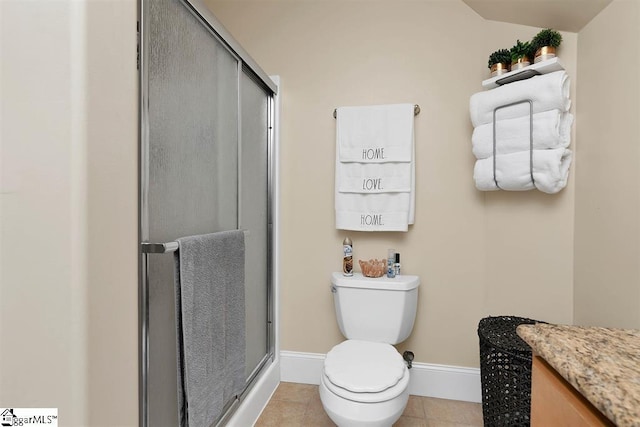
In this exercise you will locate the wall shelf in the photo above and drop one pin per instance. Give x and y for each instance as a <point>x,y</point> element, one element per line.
<point>543,67</point>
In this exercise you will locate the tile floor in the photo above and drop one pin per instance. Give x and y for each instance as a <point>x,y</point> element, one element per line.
<point>298,405</point>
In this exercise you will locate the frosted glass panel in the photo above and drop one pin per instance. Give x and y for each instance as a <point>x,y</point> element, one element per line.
<point>254,182</point>
<point>192,171</point>
<point>193,131</point>
<point>205,166</point>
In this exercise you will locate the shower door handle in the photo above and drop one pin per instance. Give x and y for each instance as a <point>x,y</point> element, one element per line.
<point>158,248</point>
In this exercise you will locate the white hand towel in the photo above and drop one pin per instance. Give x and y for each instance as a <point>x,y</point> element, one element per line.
<point>374,177</point>
<point>375,134</point>
<point>547,91</point>
<point>551,129</point>
<point>550,171</point>
<point>392,207</point>
<point>373,212</point>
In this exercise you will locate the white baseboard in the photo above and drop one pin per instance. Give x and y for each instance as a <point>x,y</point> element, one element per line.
<point>303,368</point>
<point>441,381</point>
<point>446,382</point>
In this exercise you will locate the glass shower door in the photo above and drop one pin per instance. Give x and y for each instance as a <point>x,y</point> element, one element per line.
<point>204,167</point>
<point>255,110</point>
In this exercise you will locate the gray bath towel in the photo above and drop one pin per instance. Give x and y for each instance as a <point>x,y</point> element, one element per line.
<point>210,318</point>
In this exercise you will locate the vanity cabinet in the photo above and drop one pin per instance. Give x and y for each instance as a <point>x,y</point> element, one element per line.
<point>583,375</point>
<point>555,402</point>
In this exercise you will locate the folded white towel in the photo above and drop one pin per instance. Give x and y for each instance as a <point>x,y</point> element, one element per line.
<point>375,134</point>
<point>373,212</point>
<point>375,168</point>
<point>551,129</point>
<point>374,177</point>
<point>550,171</point>
<point>382,211</point>
<point>547,91</point>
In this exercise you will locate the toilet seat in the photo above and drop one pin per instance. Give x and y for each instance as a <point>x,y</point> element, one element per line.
<point>364,371</point>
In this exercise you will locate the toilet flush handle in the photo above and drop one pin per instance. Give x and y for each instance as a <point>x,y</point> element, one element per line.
<point>333,289</point>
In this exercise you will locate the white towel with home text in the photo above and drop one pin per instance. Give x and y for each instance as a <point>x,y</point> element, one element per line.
<point>375,168</point>
<point>375,133</point>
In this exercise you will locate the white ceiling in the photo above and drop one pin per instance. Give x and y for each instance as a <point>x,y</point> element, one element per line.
<point>562,15</point>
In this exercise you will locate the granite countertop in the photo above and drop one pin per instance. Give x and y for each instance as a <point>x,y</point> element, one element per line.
<point>601,363</point>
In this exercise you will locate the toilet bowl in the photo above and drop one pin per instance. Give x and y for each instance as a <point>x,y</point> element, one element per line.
<point>364,384</point>
<point>365,381</point>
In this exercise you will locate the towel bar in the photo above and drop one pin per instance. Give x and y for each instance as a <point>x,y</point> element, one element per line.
<point>158,248</point>
<point>164,248</point>
<point>416,111</point>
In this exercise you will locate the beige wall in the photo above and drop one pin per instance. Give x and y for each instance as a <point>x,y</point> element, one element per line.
<point>477,253</point>
<point>607,221</point>
<point>43,273</point>
<point>68,210</point>
<point>112,212</point>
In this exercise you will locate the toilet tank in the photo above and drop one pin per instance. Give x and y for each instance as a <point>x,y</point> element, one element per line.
<point>375,309</point>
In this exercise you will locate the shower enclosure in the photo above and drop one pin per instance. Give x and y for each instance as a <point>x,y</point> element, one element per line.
<point>206,137</point>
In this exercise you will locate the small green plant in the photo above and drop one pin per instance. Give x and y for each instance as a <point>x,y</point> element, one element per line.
<point>500,56</point>
<point>546,37</point>
<point>520,50</point>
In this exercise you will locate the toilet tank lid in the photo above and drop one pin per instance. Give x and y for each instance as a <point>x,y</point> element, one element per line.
<point>398,283</point>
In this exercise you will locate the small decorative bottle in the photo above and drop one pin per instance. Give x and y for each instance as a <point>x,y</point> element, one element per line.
<point>396,265</point>
<point>347,257</point>
<point>391,259</point>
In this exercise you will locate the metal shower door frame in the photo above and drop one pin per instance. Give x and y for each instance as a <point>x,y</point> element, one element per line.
<point>245,63</point>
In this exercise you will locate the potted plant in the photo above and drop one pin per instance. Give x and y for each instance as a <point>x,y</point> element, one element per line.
<point>545,44</point>
<point>499,62</point>
<point>520,55</point>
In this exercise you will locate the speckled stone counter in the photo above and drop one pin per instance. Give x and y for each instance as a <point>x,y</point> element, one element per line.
<point>601,363</point>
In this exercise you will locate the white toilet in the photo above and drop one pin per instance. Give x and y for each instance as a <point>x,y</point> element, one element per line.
<point>365,380</point>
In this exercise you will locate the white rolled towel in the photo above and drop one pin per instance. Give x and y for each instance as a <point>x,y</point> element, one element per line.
<point>550,171</point>
<point>547,92</point>
<point>551,129</point>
